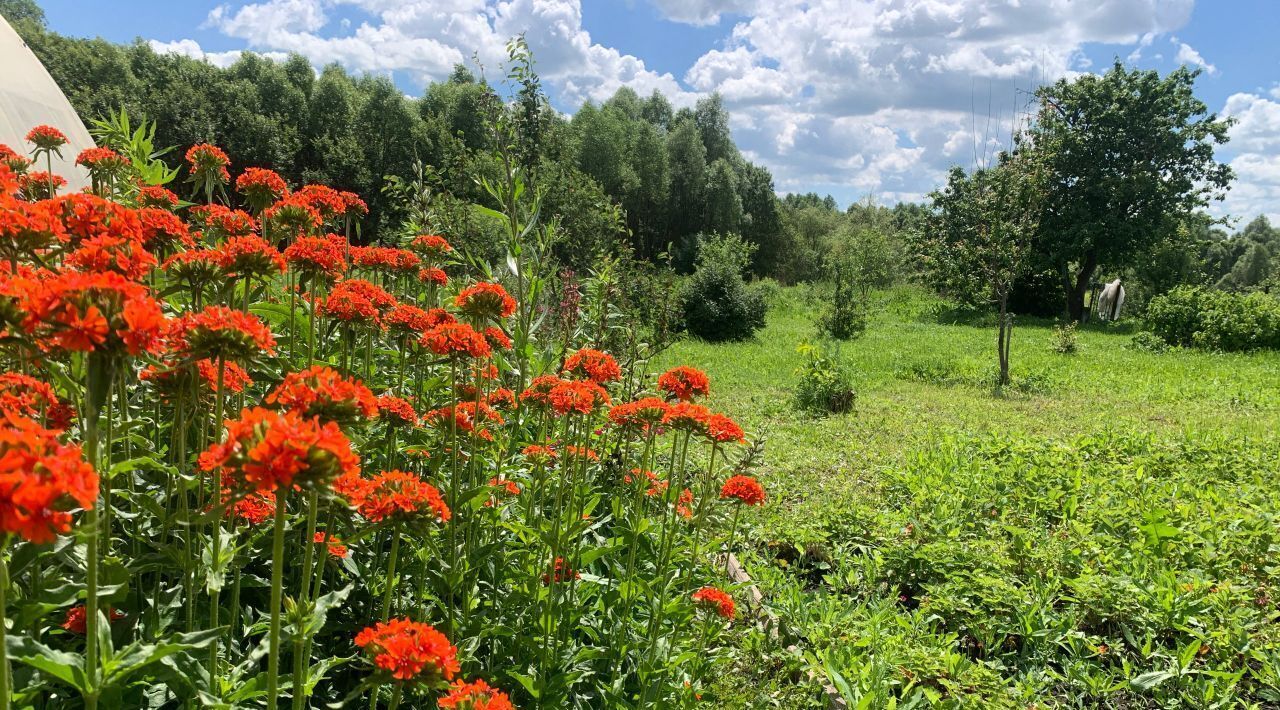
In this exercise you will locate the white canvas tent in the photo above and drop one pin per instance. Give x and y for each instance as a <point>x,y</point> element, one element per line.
<point>30,97</point>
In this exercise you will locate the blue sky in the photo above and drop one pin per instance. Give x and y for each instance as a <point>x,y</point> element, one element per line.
<point>855,98</point>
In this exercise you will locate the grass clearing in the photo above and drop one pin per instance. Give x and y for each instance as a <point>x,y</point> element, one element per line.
<point>1066,543</point>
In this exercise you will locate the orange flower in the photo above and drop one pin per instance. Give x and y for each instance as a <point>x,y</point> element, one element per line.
<point>266,450</point>
<point>208,162</point>
<point>401,495</point>
<point>476,695</point>
<point>430,246</point>
<point>157,196</point>
<point>46,138</point>
<point>316,257</point>
<point>397,411</point>
<point>261,187</point>
<point>41,480</point>
<point>466,418</point>
<point>77,618</point>
<point>250,256</point>
<point>93,311</point>
<point>687,417</point>
<point>722,429</point>
<point>597,366</point>
<point>334,543</point>
<point>743,488</point>
<point>577,397</point>
<point>320,391</point>
<point>684,383</point>
<point>222,221</point>
<point>504,486</point>
<point>386,259</point>
<point>560,571</point>
<point>104,253</point>
<point>410,650</point>
<point>539,455</point>
<point>433,275</point>
<point>486,301</point>
<point>455,340</point>
<point>641,413</point>
<point>218,331</point>
<point>716,600</point>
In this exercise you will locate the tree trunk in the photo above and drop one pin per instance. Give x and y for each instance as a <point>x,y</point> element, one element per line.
<point>1079,286</point>
<point>1002,340</point>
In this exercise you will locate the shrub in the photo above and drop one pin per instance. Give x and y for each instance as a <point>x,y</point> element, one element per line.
<point>1216,320</point>
<point>1149,342</point>
<point>1064,339</point>
<point>826,384</point>
<point>716,303</point>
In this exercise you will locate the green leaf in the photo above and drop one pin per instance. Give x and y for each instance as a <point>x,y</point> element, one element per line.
<point>62,665</point>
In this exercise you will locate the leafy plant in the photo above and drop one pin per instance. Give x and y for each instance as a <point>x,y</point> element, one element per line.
<point>716,302</point>
<point>1065,341</point>
<point>826,385</point>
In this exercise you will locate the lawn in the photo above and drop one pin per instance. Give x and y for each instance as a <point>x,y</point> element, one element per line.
<point>1100,534</point>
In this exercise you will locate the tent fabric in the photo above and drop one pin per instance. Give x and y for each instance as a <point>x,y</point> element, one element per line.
<point>30,97</point>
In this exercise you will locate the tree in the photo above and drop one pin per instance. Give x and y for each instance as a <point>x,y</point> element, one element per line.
<point>722,211</point>
<point>1252,269</point>
<point>713,126</point>
<point>762,219</point>
<point>687,162</point>
<point>978,241</point>
<point>1129,155</point>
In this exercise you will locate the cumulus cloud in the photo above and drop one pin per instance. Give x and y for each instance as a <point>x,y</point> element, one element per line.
<point>191,48</point>
<point>1188,55</point>
<point>1254,154</point>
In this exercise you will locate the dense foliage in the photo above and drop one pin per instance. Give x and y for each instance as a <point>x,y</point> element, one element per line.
<point>716,303</point>
<point>1218,320</point>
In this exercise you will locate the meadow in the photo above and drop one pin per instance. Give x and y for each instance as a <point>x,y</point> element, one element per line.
<point>1100,533</point>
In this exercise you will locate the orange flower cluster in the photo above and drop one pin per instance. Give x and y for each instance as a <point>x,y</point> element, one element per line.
<point>316,256</point>
<point>323,392</point>
<point>385,258</point>
<point>455,340</point>
<point>358,301</point>
<point>41,480</point>
<point>126,257</point>
<point>223,221</point>
<point>476,695</point>
<point>333,543</point>
<point>326,201</point>
<point>642,413</point>
<point>684,383</point>
<point>250,256</point>
<point>743,488</point>
<point>46,137</point>
<point>397,411</point>
<point>157,196</point>
<point>399,495</point>
<point>715,600</point>
<point>466,417</point>
<point>433,275</point>
<point>162,228</point>
<point>209,160</point>
<point>101,311</point>
<point>26,396</point>
<point>560,572</point>
<point>597,366</point>
<point>218,331</point>
<point>410,650</point>
<point>431,246</point>
<point>261,186</point>
<point>101,160</point>
<point>577,397</point>
<point>266,450</point>
<point>77,618</point>
<point>486,301</point>
<point>293,216</point>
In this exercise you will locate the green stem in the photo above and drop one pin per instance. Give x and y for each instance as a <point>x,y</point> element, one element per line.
<point>4,609</point>
<point>277,582</point>
<point>391,573</point>
<point>300,665</point>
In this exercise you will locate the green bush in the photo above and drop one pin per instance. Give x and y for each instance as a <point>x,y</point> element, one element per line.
<point>1064,339</point>
<point>1149,342</point>
<point>826,384</point>
<point>1216,320</point>
<point>716,303</point>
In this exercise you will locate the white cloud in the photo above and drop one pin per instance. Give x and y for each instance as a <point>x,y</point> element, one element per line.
<point>1188,55</point>
<point>191,48</point>
<point>702,12</point>
<point>1254,154</point>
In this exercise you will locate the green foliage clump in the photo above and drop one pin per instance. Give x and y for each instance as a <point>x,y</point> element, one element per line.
<point>1216,320</point>
<point>1064,339</point>
<point>826,383</point>
<point>1148,342</point>
<point>716,302</point>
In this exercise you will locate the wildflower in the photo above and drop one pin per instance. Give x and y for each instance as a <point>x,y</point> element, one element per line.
<point>320,391</point>
<point>396,411</point>
<point>573,397</point>
<point>433,248</point>
<point>249,256</point>
<point>484,301</point>
<point>722,429</point>
<point>326,201</point>
<point>538,393</point>
<point>502,398</point>
<point>715,600</point>
<point>687,417</point>
<point>476,695</point>
<point>316,257</point>
<point>502,486</point>
<point>222,221</point>
<point>560,571</point>
<point>410,650</point>
<point>101,311</point>
<point>46,138</point>
<point>292,216</point>
<point>25,395</point>
<point>743,488</point>
<point>641,413</point>
<point>261,187</point>
<point>465,417</point>
<point>374,294</point>
<point>254,508</point>
<point>597,366</point>
<point>195,267</point>
<point>77,618</point>
<point>41,480</point>
<point>333,543</point>
<point>497,338</point>
<point>407,319</point>
<point>267,450</point>
<point>433,275</point>
<point>455,340</point>
<point>102,163</point>
<point>40,184</point>
<point>157,196</point>
<point>656,487</point>
<point>218,331</point>
<point>684,383</point>
<point>208,166</point>
<point>403,496</point>
<point>588,453</point>
<point>234,377</point>
<point>162,228</point>
<point>385,259</point>
<point>104,253</point>
<point>539,455</point>
<point>353,206</point>
<point>85,216</point>
<point>684,504</point>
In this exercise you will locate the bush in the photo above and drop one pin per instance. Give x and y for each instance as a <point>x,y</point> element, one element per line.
<point>1149,342</point>
<point>1216,320</point>
<point>1064,339</point>
<point>716,303</point>
<point>826,384</point>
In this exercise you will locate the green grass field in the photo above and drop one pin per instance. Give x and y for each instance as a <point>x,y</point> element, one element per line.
<point>1101,535</point>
